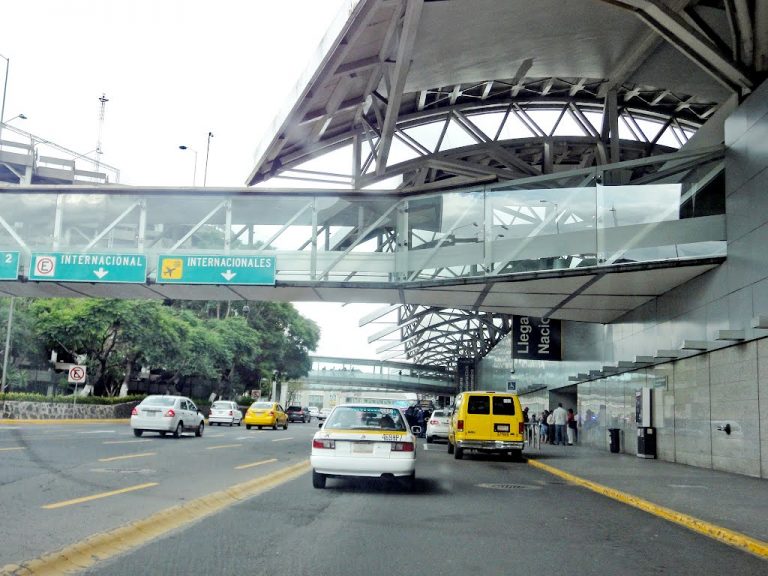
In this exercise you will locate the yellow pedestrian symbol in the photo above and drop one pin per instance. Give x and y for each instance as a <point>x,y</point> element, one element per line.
<point>172,269</point>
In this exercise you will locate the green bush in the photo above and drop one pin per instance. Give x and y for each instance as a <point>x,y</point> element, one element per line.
<point>102,400</point>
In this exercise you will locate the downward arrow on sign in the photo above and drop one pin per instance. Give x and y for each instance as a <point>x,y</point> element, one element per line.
<point>100,273</point>
<point>228,275</point>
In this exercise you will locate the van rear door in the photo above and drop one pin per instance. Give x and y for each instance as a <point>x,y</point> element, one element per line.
<point>506,418</point>
<point>478,422</point>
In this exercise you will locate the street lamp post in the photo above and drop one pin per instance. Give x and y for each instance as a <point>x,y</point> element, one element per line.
<point>7,346</point>
<point>5,89</point>
<point>194,174</point>
<point>207,151</point>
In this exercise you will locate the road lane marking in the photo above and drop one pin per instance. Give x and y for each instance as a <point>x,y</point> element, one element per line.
<point>125,441</point>
<point>98,496</point>
<point>105,545</point>
<point>14,448</point>
<point>98,432</point>
<point>259,463</point>
<point>223,446</point>
<point>215,435</point>
<point>127,456</point>
<point>282,439</point>
<point>725,535</point>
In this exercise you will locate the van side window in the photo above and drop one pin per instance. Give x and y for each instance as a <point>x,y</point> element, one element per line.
<point>503,406</point>
<point>478,405</point>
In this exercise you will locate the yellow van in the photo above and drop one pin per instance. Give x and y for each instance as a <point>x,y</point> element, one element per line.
<point>487,422</point>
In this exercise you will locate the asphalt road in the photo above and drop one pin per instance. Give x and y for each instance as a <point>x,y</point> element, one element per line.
<point>479,515</point>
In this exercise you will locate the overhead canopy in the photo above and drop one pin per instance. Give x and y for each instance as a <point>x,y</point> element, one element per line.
<point>399,64</point>
<point>439,94</point>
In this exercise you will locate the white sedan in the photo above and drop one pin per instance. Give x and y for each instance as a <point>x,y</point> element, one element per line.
<point>225,412</point>
<point>437,425</point>
<point>364,440</point>
<point>164,414</point>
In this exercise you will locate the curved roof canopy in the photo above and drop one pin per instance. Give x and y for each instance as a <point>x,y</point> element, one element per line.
<point>613,70</point>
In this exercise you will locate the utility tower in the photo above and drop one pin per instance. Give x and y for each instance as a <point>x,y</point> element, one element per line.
<point>103,106</point>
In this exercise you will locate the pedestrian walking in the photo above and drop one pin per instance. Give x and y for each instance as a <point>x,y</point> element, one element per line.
<point>544,427</point>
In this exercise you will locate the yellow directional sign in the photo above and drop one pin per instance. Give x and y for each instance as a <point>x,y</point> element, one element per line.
<point>172,269</point>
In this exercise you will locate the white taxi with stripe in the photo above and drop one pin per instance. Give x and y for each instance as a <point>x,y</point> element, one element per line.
<point>364,440</point>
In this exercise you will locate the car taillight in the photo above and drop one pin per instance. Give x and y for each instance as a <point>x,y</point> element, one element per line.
<point>460,425</point>
<point>521,427</point>
<point>170,413</point>
<point>271,412</point>
<point>135,411</point>
<point>434,422</point>
<point>401,447</point>
<point>231,413</point>
<point>326,444</point>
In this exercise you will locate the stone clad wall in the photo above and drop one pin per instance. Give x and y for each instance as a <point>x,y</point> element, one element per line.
<point>18,410</point>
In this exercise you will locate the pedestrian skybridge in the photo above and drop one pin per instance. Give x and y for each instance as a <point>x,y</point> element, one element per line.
<point>586,245</point>
<point>345,374</point>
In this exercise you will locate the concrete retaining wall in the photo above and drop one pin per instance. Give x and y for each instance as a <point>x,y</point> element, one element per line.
<point>18,410</point>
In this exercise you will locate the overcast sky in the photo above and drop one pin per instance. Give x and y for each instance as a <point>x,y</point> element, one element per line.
<point>172,70</point>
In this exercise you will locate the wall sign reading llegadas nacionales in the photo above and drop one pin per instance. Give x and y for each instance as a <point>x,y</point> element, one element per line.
<point>536,338</point>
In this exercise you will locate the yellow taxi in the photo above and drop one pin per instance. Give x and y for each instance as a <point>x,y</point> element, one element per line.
<point>262,414</point>
<point>486,422</point>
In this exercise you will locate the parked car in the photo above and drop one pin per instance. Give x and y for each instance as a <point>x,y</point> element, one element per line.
<point>298,414</point>
<point>262,414</point>
<point>486,422</point>
<point>364,440</point>
<point>324,413</point>
<point>164,414</point>
<point>437,425</point>
<point>225,412</point>
<point>314,411</point>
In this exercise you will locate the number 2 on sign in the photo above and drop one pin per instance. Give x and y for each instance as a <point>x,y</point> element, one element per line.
<point>8,258</point>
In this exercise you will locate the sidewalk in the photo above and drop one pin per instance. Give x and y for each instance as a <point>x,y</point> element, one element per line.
<point>732,501</point>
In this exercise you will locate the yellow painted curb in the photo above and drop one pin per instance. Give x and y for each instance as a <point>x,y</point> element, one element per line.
<point>9,421</point>
<point>134,534</point>
<point>730,537</point>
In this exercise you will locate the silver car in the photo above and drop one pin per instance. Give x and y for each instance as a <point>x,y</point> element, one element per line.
<point>164,414</point>
<point>225,412</point>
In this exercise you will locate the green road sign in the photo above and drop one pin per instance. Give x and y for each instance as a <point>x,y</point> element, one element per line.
<point>90,267</point>
<point>216,269</point>
<point>9,265</point>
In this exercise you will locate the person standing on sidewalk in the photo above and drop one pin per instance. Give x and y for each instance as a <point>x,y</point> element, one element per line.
<point>560,417</point>
<point>571,425</point>
<point>533,432</point>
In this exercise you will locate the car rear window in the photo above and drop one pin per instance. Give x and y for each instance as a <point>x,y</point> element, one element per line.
<point>158,401</point>
<point>221,405</point>
<point>261,405</point>
<point>439,413</point>
<point>478,405</point>
<point>503,406</point>
<point>366,418</point>
<point>293,408</point>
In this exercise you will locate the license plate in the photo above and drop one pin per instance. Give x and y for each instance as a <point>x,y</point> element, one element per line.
<point>362,447</point>
<point>501,427</point>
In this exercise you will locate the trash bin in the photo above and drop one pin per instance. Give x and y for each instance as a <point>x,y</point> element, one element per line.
<point>614,439</point>
<point>646,442</point>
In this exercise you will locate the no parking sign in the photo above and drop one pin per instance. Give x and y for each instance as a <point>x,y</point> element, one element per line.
<point>76,375</point>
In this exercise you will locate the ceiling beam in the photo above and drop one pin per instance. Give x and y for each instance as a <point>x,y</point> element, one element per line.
<point>690,41</point>
<point>397,79</point>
